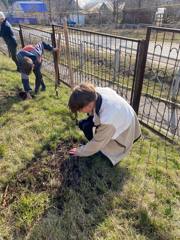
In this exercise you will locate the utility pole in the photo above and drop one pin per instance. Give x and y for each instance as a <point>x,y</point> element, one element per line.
<point>139,4</point>
<point>50,11</point>
<point>114,10</point>
<point>77,10</point>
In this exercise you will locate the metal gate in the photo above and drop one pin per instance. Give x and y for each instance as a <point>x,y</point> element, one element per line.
<point>160,100</point>
<point>102,59</point>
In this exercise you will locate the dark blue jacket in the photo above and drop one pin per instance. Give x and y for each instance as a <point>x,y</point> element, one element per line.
<point>34,53</point>
<point>7,34</point>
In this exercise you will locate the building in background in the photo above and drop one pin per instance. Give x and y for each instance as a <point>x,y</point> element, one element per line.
<point>160,16</point>
<point>60,10</point>
<point>103,12</point>
<point>29,12</point>
<point>149,3</point>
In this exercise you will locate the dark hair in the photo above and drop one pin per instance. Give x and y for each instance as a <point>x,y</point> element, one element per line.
<point>27,65</point>
<point>81,96</point>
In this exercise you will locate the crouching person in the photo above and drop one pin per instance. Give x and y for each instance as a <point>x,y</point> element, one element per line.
<point>30,59</point>
<point>112,126</point>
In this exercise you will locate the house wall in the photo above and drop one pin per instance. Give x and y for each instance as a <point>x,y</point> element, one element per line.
<point>136,16</point>
<point>81,18</point>
<point>173,12</point>
<point>148,3</point>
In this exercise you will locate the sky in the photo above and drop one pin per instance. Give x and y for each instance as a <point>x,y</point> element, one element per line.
<point>84,2</point>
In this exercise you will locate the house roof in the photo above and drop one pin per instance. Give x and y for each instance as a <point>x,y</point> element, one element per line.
<point>32,6</point>
<point>94,7</point>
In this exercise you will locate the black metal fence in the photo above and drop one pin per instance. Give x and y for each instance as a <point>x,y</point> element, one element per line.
<point>102,59</point>
<point>160,99</point>
<point>147,77</point>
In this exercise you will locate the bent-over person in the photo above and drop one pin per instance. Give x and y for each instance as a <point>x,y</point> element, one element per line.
<point>30,59</point>
<point>112,126</point>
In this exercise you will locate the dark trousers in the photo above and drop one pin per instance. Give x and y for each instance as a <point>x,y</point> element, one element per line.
<point>26,85</point>
<point>86,125</point>
<point>13,52</point>
<point>38,78</point>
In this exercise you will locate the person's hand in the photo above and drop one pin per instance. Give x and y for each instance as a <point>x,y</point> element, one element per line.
<point>55,49</point>
<point>73,152</point>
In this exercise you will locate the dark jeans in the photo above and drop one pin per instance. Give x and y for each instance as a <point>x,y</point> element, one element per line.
<point>86,125</point>
<point>13,52</point>
<point>26,85</point>
<point>39,79</point>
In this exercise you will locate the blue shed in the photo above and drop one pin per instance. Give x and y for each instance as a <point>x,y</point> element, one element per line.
<point>32,12</point>
<point>30,6</point>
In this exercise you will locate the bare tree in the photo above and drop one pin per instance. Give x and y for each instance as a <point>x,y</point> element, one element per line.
<point>77,10</point>
<point>50,10</point>
<point>116,4</point>
<point>58,9</point>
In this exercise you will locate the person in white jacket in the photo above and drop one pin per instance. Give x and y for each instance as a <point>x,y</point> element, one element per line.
<point>112,126</point>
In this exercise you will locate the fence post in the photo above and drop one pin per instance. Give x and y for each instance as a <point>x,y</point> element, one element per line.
<point>116,63</point>
<point>21,36</point>
<point>139,71</point>
<point>55,57</point>
<point>174,93</point>
<point>68,52</point>
<point>81,52</point>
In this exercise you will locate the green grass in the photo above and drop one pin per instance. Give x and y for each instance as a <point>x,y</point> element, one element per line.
<point>136,33</point>
<point>31,122</point>
<point>45,194</point>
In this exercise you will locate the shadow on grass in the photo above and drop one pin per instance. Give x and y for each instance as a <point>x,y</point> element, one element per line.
<point>8,69</point>
<point>83,192</point>
<point>86,183</point>
<point>7,101</point>
<point>87,195</point>
<point>141,222</point>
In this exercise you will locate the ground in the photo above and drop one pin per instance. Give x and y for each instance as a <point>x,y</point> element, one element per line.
<point>46,194</point>
<point>139,33</point>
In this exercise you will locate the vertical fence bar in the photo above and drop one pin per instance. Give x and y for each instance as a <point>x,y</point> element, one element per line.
<point>81,55</point>
<point>68,55</point>
<point>21,36</point>
<point>174,93</point>
<point>116,64</point>
<point>57,80</point>
<point>55,59</point>
<point>140,70</point>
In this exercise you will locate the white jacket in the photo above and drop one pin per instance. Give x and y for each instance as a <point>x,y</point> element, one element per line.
<point>117,129</point>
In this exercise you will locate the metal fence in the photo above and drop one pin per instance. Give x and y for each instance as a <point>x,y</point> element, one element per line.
<point>160,99</point>
<point>145,72</point>
<point>104,60</point>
